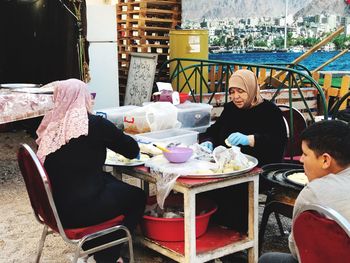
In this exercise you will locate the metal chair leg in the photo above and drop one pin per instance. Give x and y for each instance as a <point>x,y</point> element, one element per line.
<point>264,220</point>
<point>76,255</point>
<point>279,223</point>
<point>41,244</point>
<point>131,249</point>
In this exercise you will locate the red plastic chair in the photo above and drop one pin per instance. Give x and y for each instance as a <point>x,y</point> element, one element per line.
<point>322,235</point>
<point>293,150</point>
<point>42,202</point>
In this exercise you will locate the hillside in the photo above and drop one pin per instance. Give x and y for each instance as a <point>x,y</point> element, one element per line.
<point>257,8</point>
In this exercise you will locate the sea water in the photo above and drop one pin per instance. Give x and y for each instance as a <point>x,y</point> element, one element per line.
<point>312,62</point>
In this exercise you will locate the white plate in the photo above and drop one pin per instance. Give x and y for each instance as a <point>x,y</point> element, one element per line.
<point>117,163</point>
<point>18,85</point>
<point>114,159</point>
<point>221,175</point>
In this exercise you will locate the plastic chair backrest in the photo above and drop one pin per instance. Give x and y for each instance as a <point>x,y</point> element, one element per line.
<point>38,186</point>
<point>293,147</point>
<point>343,114</point>
<point>322,235</point>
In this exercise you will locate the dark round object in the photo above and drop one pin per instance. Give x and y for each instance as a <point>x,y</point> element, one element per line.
<point>289,172</point>
<point>273,175</point>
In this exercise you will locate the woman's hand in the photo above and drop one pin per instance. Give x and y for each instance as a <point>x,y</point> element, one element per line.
<point>138,157</point>
<point>238,138</point>
<point>208,145</point>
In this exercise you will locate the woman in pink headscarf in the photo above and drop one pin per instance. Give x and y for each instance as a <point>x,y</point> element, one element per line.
<point>257,127</point>
<point>72,146</point>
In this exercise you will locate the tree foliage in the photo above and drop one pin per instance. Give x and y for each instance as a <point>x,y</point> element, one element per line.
<point>278,42</point>
<point>341,42</point>
<point>260,43</point>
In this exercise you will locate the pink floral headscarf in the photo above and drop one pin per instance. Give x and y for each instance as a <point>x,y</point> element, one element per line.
<point>68,119</point>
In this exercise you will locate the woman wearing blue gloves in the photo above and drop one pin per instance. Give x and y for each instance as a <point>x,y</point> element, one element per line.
<point>257,127</point>
<point>248,121</point>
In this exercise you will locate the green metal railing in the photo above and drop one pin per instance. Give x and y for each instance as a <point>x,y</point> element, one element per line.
<point>193,78</point>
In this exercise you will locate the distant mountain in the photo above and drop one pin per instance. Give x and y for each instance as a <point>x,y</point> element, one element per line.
<point>336,7</point>
<point>196,10</point>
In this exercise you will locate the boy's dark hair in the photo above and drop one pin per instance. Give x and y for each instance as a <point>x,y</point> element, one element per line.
<point>332,137</point>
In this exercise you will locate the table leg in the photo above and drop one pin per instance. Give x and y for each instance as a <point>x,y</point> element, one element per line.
<point>190,231</point>
<point>117,174</point>
<point>253,219</point>
<point>145,187</point>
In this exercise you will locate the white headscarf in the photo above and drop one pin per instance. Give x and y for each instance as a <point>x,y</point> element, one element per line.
<point>247,81</point>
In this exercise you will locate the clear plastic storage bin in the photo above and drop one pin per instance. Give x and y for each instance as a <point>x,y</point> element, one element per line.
<point>194,114</point>
<point>182,136</point>
<point>200,129</point>
<point>116,114</point>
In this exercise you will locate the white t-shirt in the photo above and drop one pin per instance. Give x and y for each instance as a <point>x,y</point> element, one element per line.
<point>332,191</point>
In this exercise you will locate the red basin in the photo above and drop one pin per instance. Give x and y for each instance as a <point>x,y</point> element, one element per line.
<point>172,229</point>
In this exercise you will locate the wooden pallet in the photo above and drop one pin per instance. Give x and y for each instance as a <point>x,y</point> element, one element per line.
<point>143,26</point>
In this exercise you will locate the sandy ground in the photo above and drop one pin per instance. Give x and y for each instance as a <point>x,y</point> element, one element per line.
<point>20,232</point>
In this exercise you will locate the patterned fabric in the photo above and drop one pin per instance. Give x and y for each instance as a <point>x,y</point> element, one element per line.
<point>68,119</point>
<point>15,106</point>
<point>247,81</point>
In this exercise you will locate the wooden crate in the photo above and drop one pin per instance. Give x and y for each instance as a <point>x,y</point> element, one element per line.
<point>143,26</point>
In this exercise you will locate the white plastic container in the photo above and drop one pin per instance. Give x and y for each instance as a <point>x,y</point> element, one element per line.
<point>194,114</point>
<point>182,136</point>
<point>116,114</point>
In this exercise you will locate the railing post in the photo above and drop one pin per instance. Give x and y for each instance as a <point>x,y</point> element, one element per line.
<point>291,128</point>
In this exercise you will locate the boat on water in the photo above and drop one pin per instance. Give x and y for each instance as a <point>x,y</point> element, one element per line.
<point>279,50</point>
<point>297,49</point>
<point>220,50</point>
<point>258,49</point>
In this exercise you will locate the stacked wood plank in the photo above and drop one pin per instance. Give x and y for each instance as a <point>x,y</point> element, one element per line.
<point>143,26</point>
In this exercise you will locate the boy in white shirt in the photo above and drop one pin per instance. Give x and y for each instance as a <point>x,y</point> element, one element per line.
<point>326,160</point>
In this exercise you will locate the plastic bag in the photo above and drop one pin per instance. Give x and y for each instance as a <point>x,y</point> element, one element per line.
<point>222,156</point>
<point>226,160</point>
<point>161,116</point>
<point>230,159</point>
<point>167,173</point>
<point>151,117</point>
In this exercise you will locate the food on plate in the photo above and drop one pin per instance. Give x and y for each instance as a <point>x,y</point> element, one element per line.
<point>149,148</point>
<point>299,178</point>
<point>113,157</point>
<point>228,143</point>
<point>234,165</point>
<point>123,159</point>
<point>204,171</point>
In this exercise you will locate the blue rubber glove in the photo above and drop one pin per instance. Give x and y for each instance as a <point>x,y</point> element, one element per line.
<point>238,138</point>
<point>208,145</point>
<point>138,156</point>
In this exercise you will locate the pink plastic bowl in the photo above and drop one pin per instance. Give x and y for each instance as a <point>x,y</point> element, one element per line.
<point>178,154</point>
